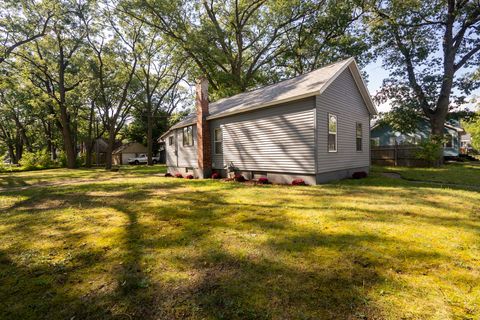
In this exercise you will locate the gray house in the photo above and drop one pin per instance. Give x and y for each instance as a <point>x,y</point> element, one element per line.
<point>383,134</point>
<point>315,127</point>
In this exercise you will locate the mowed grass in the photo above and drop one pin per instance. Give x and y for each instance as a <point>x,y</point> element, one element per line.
<point>147,247</point>
<point>49,176</point>
<point>466,173</point>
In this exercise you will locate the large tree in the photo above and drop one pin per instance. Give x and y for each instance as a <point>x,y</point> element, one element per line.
<point>53,65</point>
<point>114,42</point>
<point>21,22</point>
<point>159,77</point>
<point>429,48</point>
<point>241,44</point>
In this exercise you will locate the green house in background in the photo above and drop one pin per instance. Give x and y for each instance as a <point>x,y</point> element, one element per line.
<point>384,135</point>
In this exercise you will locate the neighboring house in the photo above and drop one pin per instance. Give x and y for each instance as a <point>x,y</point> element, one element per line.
<point>465,143</point>
<point>315,127</point>
<point>384,135</point>
<point>99,151</point>
<point>126,151</point>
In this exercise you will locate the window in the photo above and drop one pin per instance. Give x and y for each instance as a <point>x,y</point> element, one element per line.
<point>188,136</point>
<point>375,141</point>
<point>392,141</point>
<point>359,135</point>
<point>332,133</point>
<point>448,141</point>
<point>170,140</point>
<point>218,141</point>
<point>413,139</point>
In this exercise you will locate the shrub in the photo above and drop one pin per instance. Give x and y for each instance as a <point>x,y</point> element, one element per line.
<point>168,174</point>
<point>298,182</point>
<point>62,159</point>
<point>263,180</point>
<point>43,159</point>
<point>178,175</point>
<point>239,178</point>
<point>359,175</point>
<point>216,175</point>
<point>189,177</point>
<point>28,161</point>
<point>36,160</point>
<point>430,151</point>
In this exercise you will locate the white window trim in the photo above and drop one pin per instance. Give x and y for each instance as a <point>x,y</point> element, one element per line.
<point>183,137</point>
<point>215,141</point>
<point>361,136</point>
<point>336,133</point>
<point>452,141</point>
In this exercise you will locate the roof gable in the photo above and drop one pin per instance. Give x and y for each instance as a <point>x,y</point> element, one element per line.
<point>309,84</point>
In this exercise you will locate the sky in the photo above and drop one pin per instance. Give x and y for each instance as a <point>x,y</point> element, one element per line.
<point>376,74</point>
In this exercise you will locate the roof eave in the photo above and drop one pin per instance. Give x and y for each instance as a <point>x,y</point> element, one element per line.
<point>264,105</point>
<point>176,127</point>
<point>362,87</point>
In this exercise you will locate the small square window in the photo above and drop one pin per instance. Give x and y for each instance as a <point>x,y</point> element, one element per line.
<point>170,140</point>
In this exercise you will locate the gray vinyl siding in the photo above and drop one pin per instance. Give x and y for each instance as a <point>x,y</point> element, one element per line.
<point>342,99</point>
<point>171,159</point>
<point>187,155</point>
<point>275,139</point>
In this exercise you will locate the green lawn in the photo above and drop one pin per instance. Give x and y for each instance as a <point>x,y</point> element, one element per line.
<point>467,174</point>
<point>134,245</point>
<point>27,178</point>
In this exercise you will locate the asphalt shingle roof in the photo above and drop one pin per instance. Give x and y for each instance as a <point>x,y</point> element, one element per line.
<point>304,85</point>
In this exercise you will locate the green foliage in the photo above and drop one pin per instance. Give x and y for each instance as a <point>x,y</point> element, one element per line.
<point>404,120</point>
<point>240,45</point>
<point>429,47</point>
<point>473,128</point>
<point>430,151</point>
<point>36,160</point>
<point>62,159</point>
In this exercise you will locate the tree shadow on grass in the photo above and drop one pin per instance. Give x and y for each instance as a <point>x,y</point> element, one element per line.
<point>295,273</point>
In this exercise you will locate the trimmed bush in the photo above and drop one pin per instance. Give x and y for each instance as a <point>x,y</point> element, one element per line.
<point>298,182</point>
<point>189,177</point>
<point>359,175</point>
<point>263,180</point>
<point>178,175</point>
<point>168,175</point>
<point>216,175</point>
<point>239,178</point>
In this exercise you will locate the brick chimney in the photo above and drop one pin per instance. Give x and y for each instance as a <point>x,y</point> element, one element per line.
<point>204,145</point>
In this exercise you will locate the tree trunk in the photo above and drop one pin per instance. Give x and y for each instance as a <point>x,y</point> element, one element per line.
<point>68,141</point>
<point>437,123</point>
<point>108,156</point>
<point>68,146</point>
<point>11,154</point>
<point>149,139</point>
<point>88,154</point>
<point>90,143</point>
<point>18,149</point>
<point>54,152</point>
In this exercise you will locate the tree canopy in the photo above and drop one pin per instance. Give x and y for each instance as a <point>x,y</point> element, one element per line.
<point>74,71</point>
